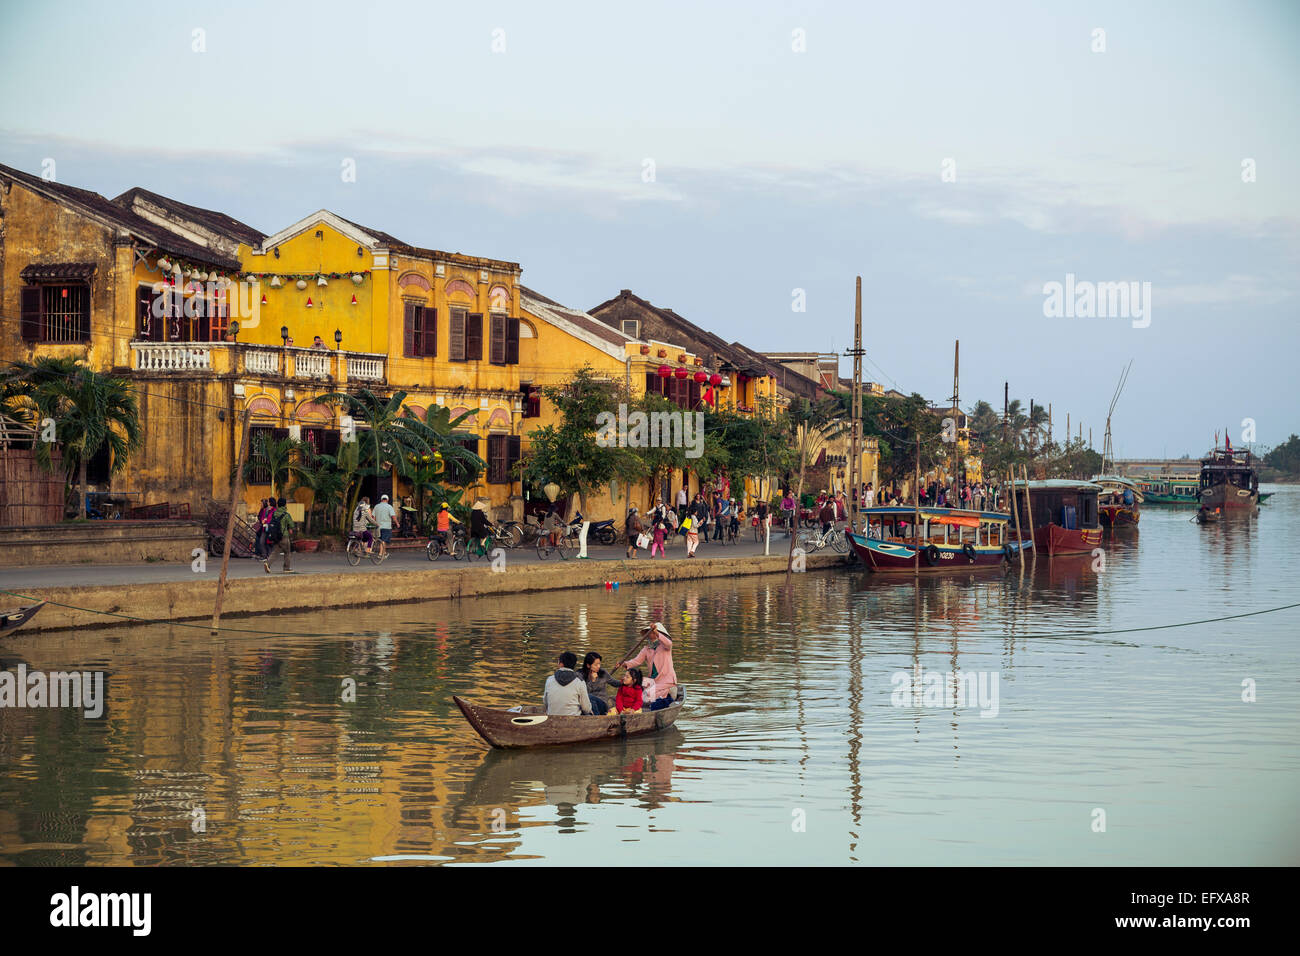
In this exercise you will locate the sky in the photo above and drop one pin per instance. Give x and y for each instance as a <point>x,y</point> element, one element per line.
<point>732,160</point>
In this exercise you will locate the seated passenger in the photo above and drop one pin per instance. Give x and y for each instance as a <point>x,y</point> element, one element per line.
<point>564,695</point>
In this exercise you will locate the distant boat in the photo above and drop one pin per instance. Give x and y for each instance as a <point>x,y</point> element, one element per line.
<point>951,539</point>
<point>1171,490</point>
<point>1065,515</point>
<point>1229,480</point>
<point>1120,501</point>
<point>12,620</point>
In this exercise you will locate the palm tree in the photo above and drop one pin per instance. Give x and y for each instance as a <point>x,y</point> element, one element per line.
<point>90,411</point>
<point>275,456</point>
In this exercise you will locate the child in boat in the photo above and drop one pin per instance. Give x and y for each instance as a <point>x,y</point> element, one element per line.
<point>630,695</point>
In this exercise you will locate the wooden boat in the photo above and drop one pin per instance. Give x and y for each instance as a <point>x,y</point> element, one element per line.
<point>1064,515</point>
<point>1120,502</point>
<point>527,726</point>
<point>951,539</point>
<point>1229,480</point>
<point>1171,490</point>
<point>12,620</point>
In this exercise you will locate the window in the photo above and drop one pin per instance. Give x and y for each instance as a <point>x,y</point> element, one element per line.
<point>466,337</point>
<point>320,441</point>
<point>532,401</point>
<point>261,470</point>
<point>456,475</point>
<point>498,347</point>
<point>632,328</point>
<point>58,312</point>
<point>503,453</point>
<point>420,333</point>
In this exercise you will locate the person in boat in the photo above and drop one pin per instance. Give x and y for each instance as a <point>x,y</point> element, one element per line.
<point>597,680</point>
<point>629,695</point>
<point>564,694</point>
<point>658,655</point>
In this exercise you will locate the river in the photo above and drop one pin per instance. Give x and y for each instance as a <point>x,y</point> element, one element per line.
<point>802,741</point>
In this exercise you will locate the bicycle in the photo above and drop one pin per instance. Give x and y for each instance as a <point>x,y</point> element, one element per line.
<point>483,547</point>
<point>813,540</point>
<point>356,550</point>
<point>565,541</point>
<point>437,546</point>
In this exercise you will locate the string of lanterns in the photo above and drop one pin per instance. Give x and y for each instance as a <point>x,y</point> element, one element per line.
<point>667,371</point>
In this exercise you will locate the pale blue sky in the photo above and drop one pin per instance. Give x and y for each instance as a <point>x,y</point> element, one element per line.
<point>775,170</point>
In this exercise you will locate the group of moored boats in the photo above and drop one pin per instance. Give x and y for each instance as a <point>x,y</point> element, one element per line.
<point>1050,517</point>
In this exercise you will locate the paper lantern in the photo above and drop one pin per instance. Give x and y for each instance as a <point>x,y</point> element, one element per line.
<point>715,379</point>
<point>664,371</point>
<point>321,281</point>
<point>275,282</point>
<point>681,373</point>
<point>551,490</point>
<point>165,264</point>
<point>356,279</point>
<point>701,377</point>
<point>301,283</point>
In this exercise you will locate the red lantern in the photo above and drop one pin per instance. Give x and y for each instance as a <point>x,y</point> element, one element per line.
<point>701,377</point>
<point>715,379</point>
<point>681,373</point>
<point>664,371</point>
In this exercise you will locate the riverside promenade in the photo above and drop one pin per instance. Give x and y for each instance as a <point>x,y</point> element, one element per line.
<point>108,595</point>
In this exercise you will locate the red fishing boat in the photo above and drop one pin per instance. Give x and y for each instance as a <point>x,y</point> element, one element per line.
<point>1063,513</point>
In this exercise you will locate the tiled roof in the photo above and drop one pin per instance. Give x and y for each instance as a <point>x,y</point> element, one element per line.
<point>218,222</point>
<point>123,219</point>
<point>535,302</point>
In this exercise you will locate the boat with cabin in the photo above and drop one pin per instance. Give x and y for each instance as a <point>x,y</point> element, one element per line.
<point>1229,480</point>
<point>1063,513</point>
<point>1120,501</point>
<point>1171,489</point>
<point>950,539</point>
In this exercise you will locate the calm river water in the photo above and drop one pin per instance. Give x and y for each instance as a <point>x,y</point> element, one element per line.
<point>798,745</point>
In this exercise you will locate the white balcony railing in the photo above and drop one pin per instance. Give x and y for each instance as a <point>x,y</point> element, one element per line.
<point>366,369</point>
<point>311,363</point>
<point>173,356</point>
<point>262,361</point>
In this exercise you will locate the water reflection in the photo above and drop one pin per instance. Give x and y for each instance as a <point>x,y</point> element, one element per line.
<point>249,749</point>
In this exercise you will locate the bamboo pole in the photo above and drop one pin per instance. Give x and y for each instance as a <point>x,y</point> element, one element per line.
<point>236,488</point>
<point>1029,511</point>
<point>916,520</point>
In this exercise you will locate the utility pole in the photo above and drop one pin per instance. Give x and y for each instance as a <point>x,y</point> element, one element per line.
<point>956,410</point>
<point>1006,404</point>
<point>855,441</point>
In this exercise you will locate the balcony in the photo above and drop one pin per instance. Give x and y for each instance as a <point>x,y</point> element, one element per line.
<point>232,358</point>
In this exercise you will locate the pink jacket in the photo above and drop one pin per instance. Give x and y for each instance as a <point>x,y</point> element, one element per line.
<point>659,666</point>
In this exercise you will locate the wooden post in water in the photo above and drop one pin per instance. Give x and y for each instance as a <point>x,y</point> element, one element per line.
<point>236,487</point>
<point>916,518</point>
<point>1029,511</point>
<point>1015,507</point>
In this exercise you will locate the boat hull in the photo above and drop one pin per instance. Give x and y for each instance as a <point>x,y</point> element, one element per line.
<point>531,728</point>
<point>890,556</point>
<point>12,620</point>
<point>1154,498</point>
<point>1119,516</point>
<point>1053,539</point>
<point>1228,497</point>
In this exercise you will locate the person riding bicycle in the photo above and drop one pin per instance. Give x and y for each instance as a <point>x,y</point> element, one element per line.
<point>827,516</point>
<point>443,525</point>
<point>733,527</point>
<point>479,526</point>
<point>363,519</point>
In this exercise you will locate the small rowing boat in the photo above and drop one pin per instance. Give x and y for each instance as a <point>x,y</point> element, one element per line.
<point>527,726</point>
<point>12,620</point>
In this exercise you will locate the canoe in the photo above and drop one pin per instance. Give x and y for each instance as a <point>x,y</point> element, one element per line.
<point>527,726</point>
<point>12,620</point>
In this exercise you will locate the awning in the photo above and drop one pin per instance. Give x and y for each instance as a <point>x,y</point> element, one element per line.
<point>963,521</point>
<point>58,271</point>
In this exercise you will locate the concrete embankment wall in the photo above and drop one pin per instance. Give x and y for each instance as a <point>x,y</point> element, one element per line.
<point>100,542</point>
<point>192,600</point>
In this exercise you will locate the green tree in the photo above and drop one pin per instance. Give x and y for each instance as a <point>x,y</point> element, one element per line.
<point>276,456</point>
<point>91,411</point>
<point>1286,456</point>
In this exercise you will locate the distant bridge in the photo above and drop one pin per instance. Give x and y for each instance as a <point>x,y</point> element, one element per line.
<point>1144,467</point>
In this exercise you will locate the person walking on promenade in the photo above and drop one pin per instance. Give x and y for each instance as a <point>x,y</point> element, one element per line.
<point>280,537</point>
<point>722,515</point>
<point>633,529</point>
<point>658,537</point>
<point>692,534</point>
<point>682,499</point>
<point>262,549</point>
<point>384,515</point>
<point>869,497</point>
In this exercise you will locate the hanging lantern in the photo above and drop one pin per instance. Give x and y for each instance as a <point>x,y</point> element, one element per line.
<point>551,490</point>
<point>356,279</point>
<point>321,281</point>
<point>665,371</point>
<point>701,377</point>
<point>165,264</point>
<point>275,282</point>
<point>715,379</point>
<point>309,302</point>
<point>302,284</point>
<point>681,373</point>
<point>354,299</point>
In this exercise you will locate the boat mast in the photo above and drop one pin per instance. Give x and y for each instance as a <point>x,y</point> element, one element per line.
<point>1107,452</point>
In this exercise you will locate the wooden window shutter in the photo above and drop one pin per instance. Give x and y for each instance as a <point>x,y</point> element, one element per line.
<point>31,313</point>
<point>85,313</point>
<point>429,323</point>
<point>474,337</point>
<point>651,383</point>
<point>497,459</point>
<point>409,343</point>
<point>144,324</point>
<point>512,452</point>
<point>498,354</point>
<point>512,341</point>
<point>456,343</point>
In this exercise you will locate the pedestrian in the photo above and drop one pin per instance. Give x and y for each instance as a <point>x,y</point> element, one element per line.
<point>682,499</point>
<point>722,514</point>
<point>633,529</point>
<point>280,537</point>
<point>787,512</point>
<point>384,515</point>
<point>660,534</point>
<point>869,497</point>
<point>264,513</point>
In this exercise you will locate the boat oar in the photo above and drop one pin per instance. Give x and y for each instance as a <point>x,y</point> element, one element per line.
<point>635,647</point>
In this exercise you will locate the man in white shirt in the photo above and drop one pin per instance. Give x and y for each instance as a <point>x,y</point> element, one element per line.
<point>682,499</point>
<point>384,514</point>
